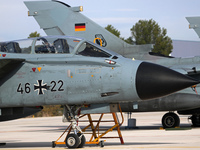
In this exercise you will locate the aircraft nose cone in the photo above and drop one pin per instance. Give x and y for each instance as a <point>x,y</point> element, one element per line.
<point>156,81</point>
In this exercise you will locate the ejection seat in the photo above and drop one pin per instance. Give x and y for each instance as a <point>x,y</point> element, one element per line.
<point>61,46</point>
<point>2,47</point>
<point>13,47</point>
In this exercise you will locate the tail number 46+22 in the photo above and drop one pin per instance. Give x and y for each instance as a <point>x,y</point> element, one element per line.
<point>54,86</point>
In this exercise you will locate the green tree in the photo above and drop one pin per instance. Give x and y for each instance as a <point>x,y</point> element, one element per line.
<point>149,32</point>
<point>117,33</point>
<point>129,40</point>
<point>113,30</point>
<point>34,34</point>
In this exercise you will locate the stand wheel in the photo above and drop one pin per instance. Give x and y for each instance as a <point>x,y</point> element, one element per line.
<point>101,143</point>
<point>72,141</point>
<point>53,144</point>
<point>82,140</point>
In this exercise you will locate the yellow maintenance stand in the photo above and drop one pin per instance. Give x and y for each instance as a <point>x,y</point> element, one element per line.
<point>94,129</point>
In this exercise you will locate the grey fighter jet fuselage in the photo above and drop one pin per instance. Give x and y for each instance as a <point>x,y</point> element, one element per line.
<point>72,71</point>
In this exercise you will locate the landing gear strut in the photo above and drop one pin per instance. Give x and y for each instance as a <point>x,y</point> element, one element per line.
<point>75,139</point>
<point>170,120</point>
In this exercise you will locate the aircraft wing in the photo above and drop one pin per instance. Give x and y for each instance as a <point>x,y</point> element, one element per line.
<point>7,65</point>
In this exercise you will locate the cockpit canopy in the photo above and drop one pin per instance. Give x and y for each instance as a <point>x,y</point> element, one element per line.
<point>54,45</point>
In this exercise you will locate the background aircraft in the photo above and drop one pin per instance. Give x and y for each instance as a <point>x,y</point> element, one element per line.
<point>194,24</point>
<point>57,18</point>
<point>74,72</point>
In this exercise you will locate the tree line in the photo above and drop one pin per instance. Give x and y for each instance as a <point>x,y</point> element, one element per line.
<point>147,32</point>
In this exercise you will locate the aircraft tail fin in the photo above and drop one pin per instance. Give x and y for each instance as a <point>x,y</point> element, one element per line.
<point>194,24</point>
<point>58,18</point>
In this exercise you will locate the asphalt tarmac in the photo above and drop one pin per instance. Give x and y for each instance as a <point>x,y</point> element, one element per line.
<point>38,134</point>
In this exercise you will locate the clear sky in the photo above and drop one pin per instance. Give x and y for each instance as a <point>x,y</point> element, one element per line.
<point>122,14</point>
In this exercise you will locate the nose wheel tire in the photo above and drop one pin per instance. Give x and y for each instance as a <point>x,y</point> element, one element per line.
<point>72,141</point>
<point>170,120</point>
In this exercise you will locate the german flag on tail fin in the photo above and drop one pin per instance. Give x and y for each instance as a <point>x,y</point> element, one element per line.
<point>80,27</point>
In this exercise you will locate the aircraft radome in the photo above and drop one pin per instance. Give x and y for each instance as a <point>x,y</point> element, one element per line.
<point>62,19</point>
<point>72,72</point>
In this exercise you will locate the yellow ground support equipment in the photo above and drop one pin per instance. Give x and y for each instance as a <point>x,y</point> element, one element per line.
<point>95,130</point>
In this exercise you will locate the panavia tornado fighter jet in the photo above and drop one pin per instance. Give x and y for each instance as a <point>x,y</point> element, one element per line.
<point>72,72</point>
<point>58,18</point>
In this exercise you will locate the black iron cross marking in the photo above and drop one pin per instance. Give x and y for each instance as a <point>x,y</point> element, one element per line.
<point>40,87</point>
